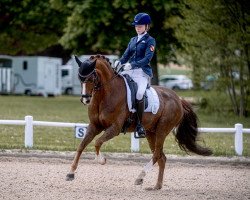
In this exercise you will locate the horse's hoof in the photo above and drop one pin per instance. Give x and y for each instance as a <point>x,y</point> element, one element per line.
<point>153,188</point>
<point>149,188</point>
<point>138,181</point>
<point>102,161</point>
<point>70,177</point>
<point>158,186</point>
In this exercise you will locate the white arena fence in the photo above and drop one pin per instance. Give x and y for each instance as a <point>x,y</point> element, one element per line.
<point>28,122</point>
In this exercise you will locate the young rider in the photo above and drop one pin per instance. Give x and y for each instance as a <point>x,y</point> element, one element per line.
<point>136,59</point>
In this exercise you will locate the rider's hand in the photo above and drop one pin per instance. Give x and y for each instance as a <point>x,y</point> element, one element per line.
<point>116,64</point>
<point>127,66</point>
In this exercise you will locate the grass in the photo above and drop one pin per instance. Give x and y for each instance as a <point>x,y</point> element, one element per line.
<point>69,109</point>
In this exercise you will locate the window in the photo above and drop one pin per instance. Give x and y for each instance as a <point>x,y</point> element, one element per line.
<point>25,65</point>
<point>5,63</point>
<point>65,72</point>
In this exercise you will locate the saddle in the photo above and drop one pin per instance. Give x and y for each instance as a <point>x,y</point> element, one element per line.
<point>133,88</point>
<point>151,101</point>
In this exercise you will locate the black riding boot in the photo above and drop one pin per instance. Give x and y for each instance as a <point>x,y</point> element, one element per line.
<point>140,109</point>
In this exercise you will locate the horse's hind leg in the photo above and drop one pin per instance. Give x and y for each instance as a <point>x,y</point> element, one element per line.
<point>151,141</point>
<point>160,157</point>
<point>91,133</point>
<point>161,162</point>
<point>156,141</point>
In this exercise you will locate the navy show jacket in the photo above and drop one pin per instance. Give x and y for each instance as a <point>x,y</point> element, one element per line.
<point>139,54</point>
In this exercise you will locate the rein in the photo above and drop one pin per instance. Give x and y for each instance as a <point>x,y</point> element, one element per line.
<point>102,85</point>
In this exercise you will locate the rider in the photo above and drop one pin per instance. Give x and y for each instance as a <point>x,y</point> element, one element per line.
<point>136,61</point>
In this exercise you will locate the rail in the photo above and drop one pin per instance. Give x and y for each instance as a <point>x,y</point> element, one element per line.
<point>28,122</point>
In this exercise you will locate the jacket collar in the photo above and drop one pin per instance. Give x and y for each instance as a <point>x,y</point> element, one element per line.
<point>143,38</point>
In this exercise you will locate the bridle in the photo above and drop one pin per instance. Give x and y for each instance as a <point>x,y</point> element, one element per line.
<point>93,78</point>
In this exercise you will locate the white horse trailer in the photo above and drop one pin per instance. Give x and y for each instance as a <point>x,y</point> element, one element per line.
<point>70,81</point>
<point>34,75</point>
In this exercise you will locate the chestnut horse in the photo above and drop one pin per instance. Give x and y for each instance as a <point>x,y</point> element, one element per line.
<point>104,91</point>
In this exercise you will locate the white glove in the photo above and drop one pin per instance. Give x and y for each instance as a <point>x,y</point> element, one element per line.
<point>127,67</point>
<point>116,64</point>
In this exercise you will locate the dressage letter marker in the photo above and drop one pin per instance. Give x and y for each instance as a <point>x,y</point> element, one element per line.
<point>80,132</point>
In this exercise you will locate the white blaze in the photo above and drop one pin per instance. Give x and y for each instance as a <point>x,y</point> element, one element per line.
<point>84,92</point>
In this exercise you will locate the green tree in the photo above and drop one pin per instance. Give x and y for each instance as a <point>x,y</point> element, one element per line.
<point>215,38</point>
<point>29,26</point>
<point>87,27</point>
<point>105,26</point>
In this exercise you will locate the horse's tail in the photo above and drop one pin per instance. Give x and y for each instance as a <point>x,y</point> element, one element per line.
<point>187,132</point>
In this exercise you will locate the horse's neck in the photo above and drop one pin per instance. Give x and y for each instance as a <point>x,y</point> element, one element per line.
<point>105,73</point>
<point>111,91</point>
<point>112,86</point>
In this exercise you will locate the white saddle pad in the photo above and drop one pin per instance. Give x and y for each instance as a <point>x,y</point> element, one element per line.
<point>153,99</point>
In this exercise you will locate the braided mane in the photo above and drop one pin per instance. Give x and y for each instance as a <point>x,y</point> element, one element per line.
<point>100,56</point>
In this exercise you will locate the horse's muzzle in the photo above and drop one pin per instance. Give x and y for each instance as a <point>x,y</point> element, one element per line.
<point>85,99</point>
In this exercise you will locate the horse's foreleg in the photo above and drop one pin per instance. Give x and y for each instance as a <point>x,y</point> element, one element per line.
<point>109,134</point>
<point>91,133</point>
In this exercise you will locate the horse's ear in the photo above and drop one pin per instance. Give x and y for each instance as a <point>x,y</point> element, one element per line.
<point>78,61</point>
<point>93,63</point>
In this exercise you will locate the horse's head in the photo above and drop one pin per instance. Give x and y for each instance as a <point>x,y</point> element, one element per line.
<point>88,78</point>
<point>89,75</point>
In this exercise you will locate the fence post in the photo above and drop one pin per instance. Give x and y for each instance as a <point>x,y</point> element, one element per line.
<point>135,144</point>
<point>238,140</point>
<point>28,138</point>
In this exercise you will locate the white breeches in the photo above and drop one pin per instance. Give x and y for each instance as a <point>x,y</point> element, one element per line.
<point>141,78</point>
